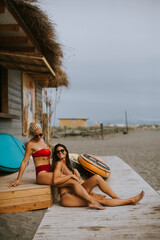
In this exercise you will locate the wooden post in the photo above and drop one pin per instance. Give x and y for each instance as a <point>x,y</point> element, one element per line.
<point>45,127</point>
<point>101,124</point>
<point>126,122</point>
<point>65,128</point>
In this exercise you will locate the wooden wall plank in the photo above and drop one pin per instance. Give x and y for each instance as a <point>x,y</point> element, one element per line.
<point>14,91</point>
<point>14,106</point>
<point>14,98</point>
<point>9,116</point>
<point>9,27</point>
<point>13,39</point>
<point>14,85</point>
<point>18,49</point>
<point>15,112</point>
<point>12,131</point>
<point>14,78</point>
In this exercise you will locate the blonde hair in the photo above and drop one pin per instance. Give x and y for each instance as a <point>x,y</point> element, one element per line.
<point>33,127</point>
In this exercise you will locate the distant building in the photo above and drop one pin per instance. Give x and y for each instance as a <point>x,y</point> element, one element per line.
<point>73,122</point>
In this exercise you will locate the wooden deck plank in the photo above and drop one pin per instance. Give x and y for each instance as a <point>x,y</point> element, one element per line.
<point>141,221</point>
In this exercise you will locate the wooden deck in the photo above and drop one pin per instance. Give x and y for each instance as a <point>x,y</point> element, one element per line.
<point>126,222</point>
<point>26,196</point>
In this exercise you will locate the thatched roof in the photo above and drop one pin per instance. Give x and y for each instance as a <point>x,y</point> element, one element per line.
<point>42,31</point>
<point>61,79</point>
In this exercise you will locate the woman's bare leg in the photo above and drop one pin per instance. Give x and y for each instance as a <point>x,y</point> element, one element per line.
<point>78,189</point>
<point>71,200</point>
<point>81,192</point>
<point>97,180</point>
<point>120,202</point>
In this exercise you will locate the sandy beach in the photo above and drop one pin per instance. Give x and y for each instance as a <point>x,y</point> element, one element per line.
<point>140,149</point>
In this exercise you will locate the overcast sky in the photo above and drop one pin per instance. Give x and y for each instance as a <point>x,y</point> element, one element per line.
<point>111,56</point>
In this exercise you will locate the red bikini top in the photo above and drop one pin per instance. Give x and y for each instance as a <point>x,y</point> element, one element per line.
<point>44,152</point>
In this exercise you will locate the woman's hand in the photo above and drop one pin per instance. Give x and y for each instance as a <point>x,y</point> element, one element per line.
<point>76,178</point>
<point>15,183</point>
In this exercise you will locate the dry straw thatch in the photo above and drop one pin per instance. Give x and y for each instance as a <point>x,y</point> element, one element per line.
<point>43,32</point>
<point>61,79</point>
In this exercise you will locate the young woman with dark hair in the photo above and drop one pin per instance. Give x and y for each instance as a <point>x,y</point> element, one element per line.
<point>74,193</point>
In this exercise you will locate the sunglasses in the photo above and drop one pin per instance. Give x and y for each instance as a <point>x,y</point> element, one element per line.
<point>62,151</point>
<point>38,135</point>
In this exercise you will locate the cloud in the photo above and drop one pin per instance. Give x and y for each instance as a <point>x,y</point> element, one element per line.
<point>111,57</point>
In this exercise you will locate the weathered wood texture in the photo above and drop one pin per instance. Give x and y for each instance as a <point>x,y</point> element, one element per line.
<point>27,196</point>
<point>14,126</point>
<point>4,90</point>
<point>141,221</point>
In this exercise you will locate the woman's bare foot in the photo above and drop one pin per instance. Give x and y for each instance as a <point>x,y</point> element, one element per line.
<point>137,198</point>
<point>96,205</point>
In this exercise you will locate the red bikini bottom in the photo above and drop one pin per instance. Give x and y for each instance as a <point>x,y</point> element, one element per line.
<point>40,168</point>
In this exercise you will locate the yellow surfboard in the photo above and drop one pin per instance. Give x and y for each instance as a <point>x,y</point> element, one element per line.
<point>94,165</point>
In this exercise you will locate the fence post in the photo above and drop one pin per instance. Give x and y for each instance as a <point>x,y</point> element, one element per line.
<point>101,124</point>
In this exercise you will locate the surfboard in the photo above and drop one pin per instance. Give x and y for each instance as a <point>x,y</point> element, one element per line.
<point>94,165</point>
<point>11,153</point>
<point>74,158</point>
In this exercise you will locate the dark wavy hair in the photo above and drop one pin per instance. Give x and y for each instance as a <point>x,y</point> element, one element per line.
<point>55,157</point>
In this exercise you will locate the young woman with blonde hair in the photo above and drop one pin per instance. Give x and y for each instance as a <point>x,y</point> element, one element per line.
<point>41,156</point>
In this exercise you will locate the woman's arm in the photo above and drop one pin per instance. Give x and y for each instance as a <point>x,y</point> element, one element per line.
<point>59,177</point>
<point>78,176</point>
<point>23,166</point>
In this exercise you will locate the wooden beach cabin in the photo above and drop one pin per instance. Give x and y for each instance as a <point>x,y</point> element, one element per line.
<point>73,122</point>
<point>30,60</point>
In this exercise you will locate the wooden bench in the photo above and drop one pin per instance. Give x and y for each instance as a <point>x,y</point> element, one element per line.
<point>28,195</point>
